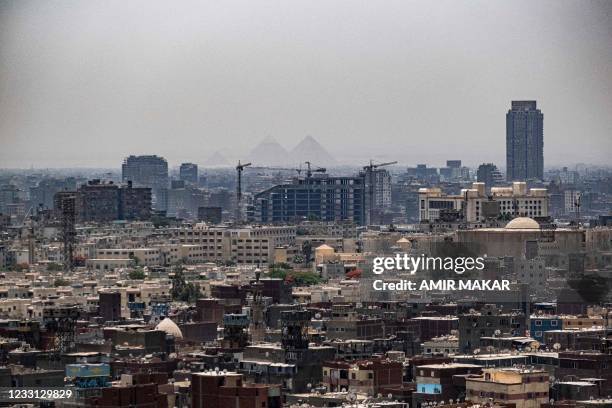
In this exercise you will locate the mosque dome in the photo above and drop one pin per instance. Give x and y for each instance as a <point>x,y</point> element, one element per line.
<point>523,223</point>
<point>169,327</point>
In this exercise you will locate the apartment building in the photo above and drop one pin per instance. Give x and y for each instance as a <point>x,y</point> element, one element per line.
<point>246,245</point>
<point>366,376</point>
<point>526,388</point>
<point>490,321</point>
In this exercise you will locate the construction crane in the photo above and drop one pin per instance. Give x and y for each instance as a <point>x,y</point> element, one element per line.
<point>310,170</point>
<point>578,204</point>
<point>299,170</point>
<point>369,185</point>
<point>239,169</point>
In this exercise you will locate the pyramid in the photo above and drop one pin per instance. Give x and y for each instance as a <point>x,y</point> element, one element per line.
<point>216,159</point>
<point>269,153</point>
<point>310,150</point>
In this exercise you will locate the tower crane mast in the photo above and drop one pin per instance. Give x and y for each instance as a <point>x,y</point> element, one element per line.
<point>369,185</point>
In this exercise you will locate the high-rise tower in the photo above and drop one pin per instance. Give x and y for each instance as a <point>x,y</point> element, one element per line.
<point>148,171</point>
<point>524,142</point>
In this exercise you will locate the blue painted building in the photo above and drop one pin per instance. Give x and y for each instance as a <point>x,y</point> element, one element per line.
<point>541,324</point>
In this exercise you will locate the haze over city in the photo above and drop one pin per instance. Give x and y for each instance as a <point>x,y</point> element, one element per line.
<point>306,204</point>
<point>87,83</point>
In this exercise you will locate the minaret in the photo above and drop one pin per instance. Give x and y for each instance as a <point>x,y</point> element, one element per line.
<point>257,328</point>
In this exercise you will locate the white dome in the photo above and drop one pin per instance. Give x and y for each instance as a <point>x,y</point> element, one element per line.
<point>523,223</point>
<point>170,327</point>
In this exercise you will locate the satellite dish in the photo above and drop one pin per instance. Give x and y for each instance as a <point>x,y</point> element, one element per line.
<point>497,332</point>
<point>528,349</point>
<point>556,346</point>
<point>476,351</point>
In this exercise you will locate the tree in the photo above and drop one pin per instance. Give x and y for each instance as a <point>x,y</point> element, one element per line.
<point>61,282</point>
<point>298,277</point>
<point>21,267</point>
<point>178,282</point>
<point>313,217</point>
<point>137,274</point>
<point>307,251</point>
<point>54,267</point>
<point>135,260</point>
<point>182,290</point>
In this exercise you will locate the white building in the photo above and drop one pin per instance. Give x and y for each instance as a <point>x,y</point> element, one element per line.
<point>246,245</point>
<point>514,201</point>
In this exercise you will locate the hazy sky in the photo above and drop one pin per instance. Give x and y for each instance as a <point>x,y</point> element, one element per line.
<point>86,83</point>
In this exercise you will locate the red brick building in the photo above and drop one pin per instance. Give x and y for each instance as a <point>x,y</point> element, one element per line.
<point>226,390</point>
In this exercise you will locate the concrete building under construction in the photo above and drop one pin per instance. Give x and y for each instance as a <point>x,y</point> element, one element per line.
<point>320,197</point>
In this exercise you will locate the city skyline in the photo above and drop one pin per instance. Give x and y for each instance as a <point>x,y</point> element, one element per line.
<point>402,77</point>
<point>298,204</point>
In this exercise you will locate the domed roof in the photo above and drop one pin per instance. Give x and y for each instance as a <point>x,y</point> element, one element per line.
<point>323,247</point>
<point>402,240</point>
<point>523,223</point>
<point>170,327</point>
